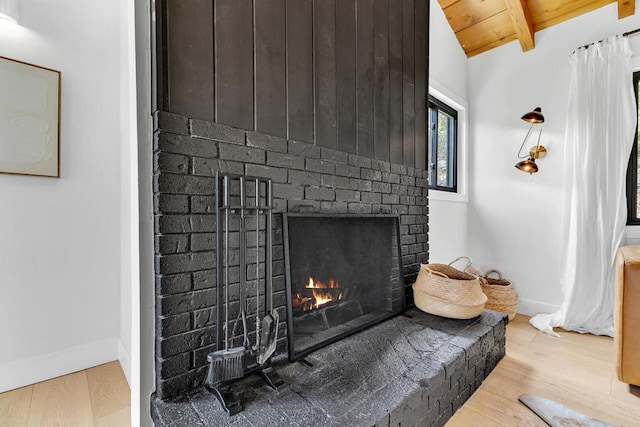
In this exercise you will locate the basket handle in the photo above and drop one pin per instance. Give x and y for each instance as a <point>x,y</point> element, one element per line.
<point>468,258</point>
<point>437,273</point>
<point>493,271</point>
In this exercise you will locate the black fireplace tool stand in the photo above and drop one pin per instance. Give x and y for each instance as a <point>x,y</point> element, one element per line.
<point>225,396</point>
<point>240,206</point>
<point>228,400</point>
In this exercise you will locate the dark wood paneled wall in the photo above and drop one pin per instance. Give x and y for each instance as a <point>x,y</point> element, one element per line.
<point>344,74</point>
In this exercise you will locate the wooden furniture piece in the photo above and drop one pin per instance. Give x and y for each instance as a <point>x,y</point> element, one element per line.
<point>627,314</point>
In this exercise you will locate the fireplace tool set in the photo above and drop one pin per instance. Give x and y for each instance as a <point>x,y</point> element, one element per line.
<point>240,201</point>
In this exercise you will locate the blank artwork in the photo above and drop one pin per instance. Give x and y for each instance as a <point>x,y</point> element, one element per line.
<point>29,119</point>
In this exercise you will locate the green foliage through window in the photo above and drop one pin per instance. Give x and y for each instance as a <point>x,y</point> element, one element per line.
<point>441,161</point>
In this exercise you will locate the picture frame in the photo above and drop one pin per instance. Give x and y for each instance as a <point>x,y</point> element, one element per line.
<point>29,119</point>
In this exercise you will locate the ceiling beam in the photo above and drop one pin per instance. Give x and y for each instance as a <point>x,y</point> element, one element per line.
<point>522,22</point>
<point>626,8</point>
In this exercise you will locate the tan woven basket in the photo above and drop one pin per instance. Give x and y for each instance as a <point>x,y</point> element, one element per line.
<point>469,268</point>
<point>501,296</point>
<point>445,291</point>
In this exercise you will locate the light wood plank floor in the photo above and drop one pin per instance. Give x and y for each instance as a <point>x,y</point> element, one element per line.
<point>577,371</point>
<point>95,397</point>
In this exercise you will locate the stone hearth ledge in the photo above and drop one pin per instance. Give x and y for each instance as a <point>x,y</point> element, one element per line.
<point>412,370</point>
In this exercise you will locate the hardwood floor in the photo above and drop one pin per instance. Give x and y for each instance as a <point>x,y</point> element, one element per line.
<point>577,371</point>
<point>98,397</point>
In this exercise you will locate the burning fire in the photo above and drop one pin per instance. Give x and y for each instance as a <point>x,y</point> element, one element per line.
<point>323,293</point>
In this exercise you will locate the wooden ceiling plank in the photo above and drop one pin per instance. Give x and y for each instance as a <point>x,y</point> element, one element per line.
<point>522,23</point>
<point>464,13</point>
<point>491,31</point>
<point>481,25</point>
<point>547,13</point>
<point>446,3</point>
<point>626,8</point>
<point>490,46</point>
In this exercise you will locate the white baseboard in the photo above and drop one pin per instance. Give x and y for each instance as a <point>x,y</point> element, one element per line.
<point>125,361</point>
<point>20,373</point>
<point>531,308</point>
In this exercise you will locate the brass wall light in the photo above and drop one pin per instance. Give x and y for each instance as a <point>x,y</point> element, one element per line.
<point>536,152</point>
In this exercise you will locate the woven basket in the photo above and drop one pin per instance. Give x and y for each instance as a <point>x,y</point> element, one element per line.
<point>469,268</point>
<point>445,291</point>
<point>501,296</point>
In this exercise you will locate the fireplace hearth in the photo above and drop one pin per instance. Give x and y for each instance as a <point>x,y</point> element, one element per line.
<point>344,273</point>
<point>410,370</point>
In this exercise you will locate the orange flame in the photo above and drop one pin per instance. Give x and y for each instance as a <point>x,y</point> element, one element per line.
<point>320,292</point>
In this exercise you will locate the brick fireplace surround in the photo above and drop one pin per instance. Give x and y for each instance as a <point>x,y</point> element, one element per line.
<point>426,366</point>
<point>306,178</point>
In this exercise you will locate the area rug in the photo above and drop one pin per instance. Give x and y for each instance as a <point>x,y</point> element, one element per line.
<point>557,415</point>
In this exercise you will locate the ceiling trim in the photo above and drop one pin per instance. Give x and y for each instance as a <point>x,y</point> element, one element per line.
<point>523,24</point>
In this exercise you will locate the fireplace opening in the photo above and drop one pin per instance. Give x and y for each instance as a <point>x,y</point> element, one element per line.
<point>344,273</point>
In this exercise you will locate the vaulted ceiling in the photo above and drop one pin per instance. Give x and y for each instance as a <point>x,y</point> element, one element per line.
<point>481,25</point>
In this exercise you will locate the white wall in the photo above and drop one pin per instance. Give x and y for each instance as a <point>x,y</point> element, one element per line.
<point>515,218</point>
<point>144,290</point>
<point>61,247</point>
<point>448,81</point>
<point>129,274</point>
<point>137,289</point>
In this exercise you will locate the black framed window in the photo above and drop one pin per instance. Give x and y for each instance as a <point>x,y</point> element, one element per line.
<point>633,191</point>
<point>442,146</point>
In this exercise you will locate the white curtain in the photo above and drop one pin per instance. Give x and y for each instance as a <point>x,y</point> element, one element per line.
<point>601,122</point>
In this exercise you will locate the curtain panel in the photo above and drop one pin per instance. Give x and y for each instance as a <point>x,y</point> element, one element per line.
<point>600,127</point>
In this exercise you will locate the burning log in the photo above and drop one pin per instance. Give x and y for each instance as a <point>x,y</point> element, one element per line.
<point>301,303</point>
<point>324,293</point>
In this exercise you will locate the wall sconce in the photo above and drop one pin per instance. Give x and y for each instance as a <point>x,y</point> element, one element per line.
<point>537,151</point>
<point>9,10</point>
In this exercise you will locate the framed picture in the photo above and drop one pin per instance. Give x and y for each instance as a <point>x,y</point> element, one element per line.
<point>29,119</point>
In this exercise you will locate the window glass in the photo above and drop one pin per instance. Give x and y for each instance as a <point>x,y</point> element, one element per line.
<point>633,171</point>
<point>442,145</point>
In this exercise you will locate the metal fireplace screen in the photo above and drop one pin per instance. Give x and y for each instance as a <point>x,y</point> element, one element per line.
<point>344,273</point>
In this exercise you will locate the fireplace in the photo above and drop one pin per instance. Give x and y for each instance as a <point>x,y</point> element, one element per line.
<point>343,274</point>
